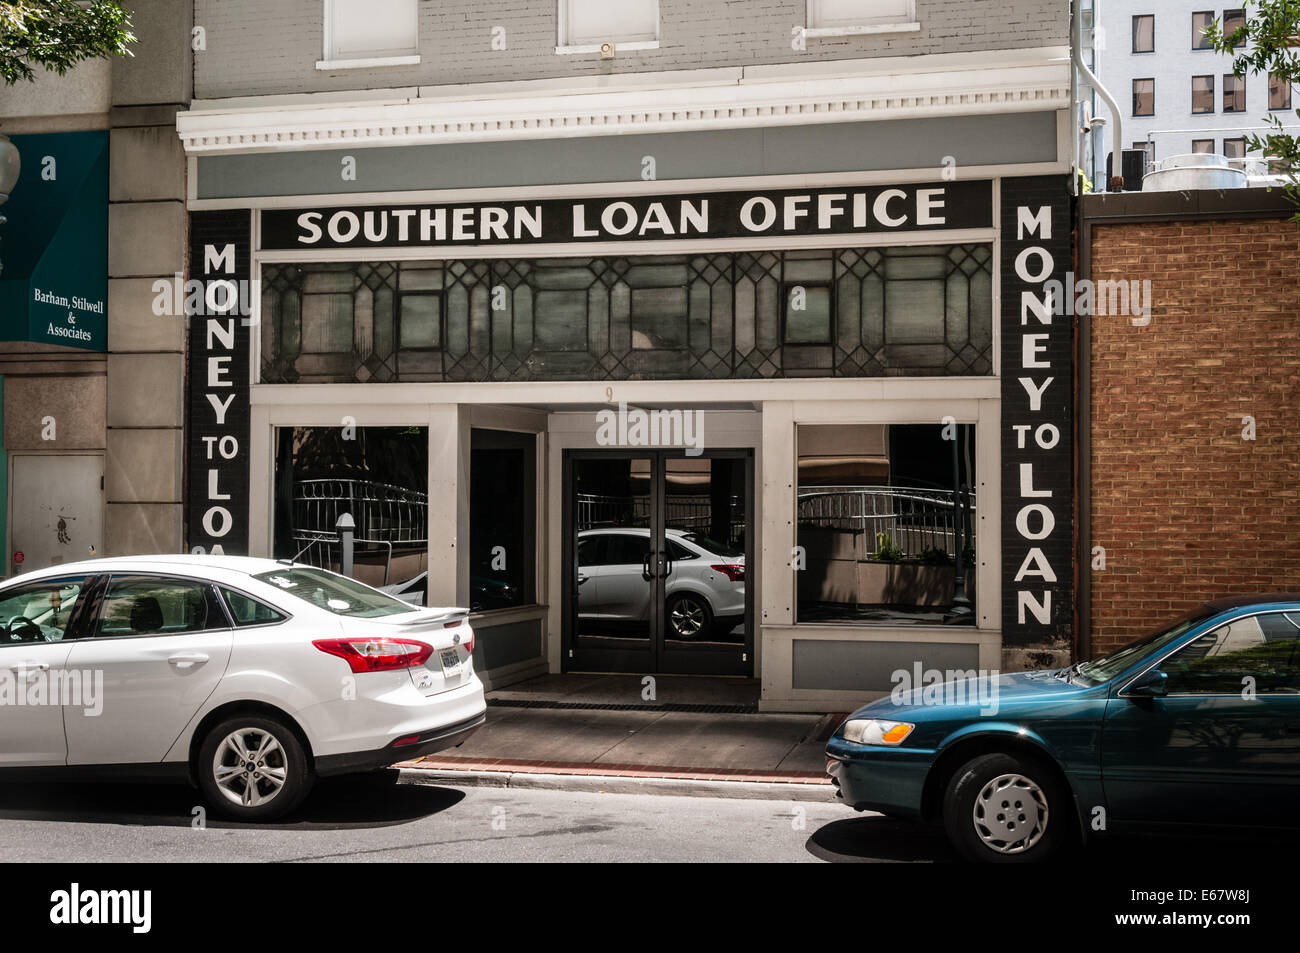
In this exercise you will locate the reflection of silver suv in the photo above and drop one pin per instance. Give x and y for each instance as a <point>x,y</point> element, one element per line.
<point>705,586</point>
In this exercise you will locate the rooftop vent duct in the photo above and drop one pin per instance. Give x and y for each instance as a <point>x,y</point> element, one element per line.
<point>1199,170</point>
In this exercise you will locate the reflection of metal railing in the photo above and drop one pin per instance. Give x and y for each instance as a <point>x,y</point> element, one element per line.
<point>386,516</point>
<point>914,519</point>
<point>684,511</point>
<point>321,549</point>
<point>382,511</point>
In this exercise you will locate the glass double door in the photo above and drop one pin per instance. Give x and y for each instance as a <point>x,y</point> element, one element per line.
<point>658,545</point>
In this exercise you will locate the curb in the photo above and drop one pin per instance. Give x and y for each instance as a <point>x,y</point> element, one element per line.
<point>612,784</point>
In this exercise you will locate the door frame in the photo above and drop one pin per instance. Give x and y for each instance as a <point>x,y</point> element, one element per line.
<point>732,660</point>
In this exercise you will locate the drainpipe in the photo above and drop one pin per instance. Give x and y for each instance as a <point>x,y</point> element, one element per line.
<point>1116,183</point>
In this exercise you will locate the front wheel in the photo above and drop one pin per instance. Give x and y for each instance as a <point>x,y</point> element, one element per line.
<point>1002,808</point>
<point>253,768</point>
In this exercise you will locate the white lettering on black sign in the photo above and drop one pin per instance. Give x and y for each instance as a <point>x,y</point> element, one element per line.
<point>741,214</point>
<point>1037,389</point>
<point>217,497</point>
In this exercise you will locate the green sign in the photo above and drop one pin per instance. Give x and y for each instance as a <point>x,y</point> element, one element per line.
<point>54,248</point>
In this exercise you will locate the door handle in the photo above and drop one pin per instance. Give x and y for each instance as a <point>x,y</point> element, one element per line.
<point>29,668</point>
<point>668,566</point>
<point>187,659</point>
<point>581,579</point>
<point>645,568</point>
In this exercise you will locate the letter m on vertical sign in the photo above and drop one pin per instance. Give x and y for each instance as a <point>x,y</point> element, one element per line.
<point>1037,361</point>
<point>217,389</point>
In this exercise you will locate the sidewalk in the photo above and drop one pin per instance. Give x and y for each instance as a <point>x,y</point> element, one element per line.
<point>596,732</point>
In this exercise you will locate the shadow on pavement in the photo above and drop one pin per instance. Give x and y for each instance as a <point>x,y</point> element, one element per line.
<point>879,839</point>
<point>359,801</point>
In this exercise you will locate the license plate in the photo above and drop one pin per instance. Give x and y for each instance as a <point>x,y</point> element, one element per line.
<point>450,662</point>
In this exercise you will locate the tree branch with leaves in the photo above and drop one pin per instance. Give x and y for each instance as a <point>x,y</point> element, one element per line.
<point>56,35</point>
<point>1268,44</point>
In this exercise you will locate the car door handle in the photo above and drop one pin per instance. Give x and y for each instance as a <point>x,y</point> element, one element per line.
<point>187,659</point>
<point>581,579</point>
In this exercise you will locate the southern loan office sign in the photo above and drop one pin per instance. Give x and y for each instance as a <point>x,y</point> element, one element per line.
<point>705,215</point>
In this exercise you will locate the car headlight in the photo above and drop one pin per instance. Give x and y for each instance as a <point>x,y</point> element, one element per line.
<point>873,731</point>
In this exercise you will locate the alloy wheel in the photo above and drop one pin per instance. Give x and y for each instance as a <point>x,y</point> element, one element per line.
<point>249,767</point>
<point>687,618</point>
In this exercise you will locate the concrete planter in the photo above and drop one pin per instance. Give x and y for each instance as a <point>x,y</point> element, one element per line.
<point>905,584</point>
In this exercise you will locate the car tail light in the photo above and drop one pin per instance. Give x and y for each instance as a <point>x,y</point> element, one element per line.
<point>733,571</point>
<point>469,642</point>
<point>376,654</point>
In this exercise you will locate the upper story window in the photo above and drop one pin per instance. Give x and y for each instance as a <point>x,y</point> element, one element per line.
<point>1234,20</point>
<point>1144,34</point>
<point>1144,97</point>
<point>586,25</point>
<point>1202,94</point>
<point>1279,92</point>
<point>1202,146</point>
<point>839,17</point>
<point>1201,21</point>
<point>368,33</point>
<point>1234,93</point>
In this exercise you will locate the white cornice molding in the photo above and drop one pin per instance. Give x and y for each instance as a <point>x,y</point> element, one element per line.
<point>826,91</point>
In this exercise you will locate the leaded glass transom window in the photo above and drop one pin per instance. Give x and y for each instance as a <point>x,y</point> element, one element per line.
<point>855,312</point>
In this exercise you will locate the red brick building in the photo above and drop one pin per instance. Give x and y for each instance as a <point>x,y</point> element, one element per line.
<point>1189,430</point>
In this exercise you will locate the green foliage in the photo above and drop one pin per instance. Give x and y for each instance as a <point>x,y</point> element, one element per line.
<point>936,556</point>
<point>58,34</point>
<point>886,551</point>
<point>1272,36</point>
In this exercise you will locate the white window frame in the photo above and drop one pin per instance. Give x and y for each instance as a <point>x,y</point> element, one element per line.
<point>908,24</point>
<point>563,47</point>
<point>330,62</point>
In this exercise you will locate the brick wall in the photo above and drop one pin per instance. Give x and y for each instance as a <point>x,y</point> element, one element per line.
<point>1185,508</point>
<point>262,47</point>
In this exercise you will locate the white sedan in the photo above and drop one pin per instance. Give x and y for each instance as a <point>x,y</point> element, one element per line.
<point>250,677</point>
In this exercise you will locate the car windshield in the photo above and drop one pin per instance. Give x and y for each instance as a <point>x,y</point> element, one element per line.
<point>712,545</point>
<point>337,594</point>
<point>1108,666</point>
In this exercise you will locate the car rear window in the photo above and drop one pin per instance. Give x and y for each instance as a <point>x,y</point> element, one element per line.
<point>334,593</point>
<point>246,610</point>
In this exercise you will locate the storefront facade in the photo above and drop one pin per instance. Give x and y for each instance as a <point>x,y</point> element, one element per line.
<point>770,391</point>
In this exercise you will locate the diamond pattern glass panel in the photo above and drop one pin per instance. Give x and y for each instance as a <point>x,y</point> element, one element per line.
<point>854,312</point>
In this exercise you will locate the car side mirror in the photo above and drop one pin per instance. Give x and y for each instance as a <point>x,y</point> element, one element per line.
<point>1151,685</point>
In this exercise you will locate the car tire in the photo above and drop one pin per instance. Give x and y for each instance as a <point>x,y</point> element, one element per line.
<point>233,794</point>
<point>1008,809</point>
<point>689,616</point>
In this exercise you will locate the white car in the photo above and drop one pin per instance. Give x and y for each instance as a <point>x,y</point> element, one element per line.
<point>250,677</point>
<point>705,587</point>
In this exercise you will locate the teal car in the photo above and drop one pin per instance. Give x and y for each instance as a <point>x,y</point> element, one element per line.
<point>1197,724</point>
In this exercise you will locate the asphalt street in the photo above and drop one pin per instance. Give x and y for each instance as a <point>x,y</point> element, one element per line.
<point>374,818</point>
